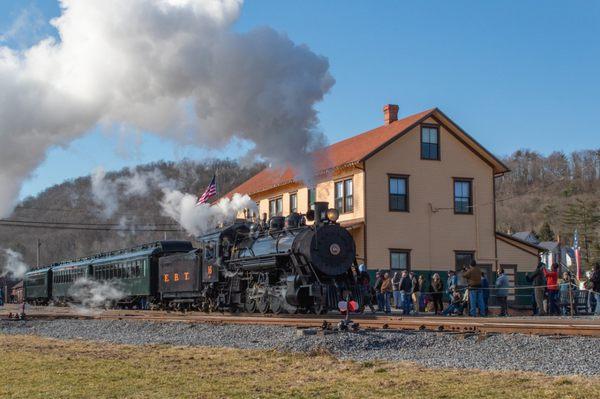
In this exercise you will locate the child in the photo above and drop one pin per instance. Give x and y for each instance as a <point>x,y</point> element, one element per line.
<point>456,305</point>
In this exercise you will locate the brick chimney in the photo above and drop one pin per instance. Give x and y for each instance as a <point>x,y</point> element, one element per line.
<point>390,113</point>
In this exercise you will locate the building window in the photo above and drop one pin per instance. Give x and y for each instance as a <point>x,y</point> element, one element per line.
<point>312,198</point>
<point>348,196</point>
<point>430,142</point>
<point>293,202</point>
<point>463,196</point>
<point>343,196</point>
<point>398,192</point>
<point>339,196</point>
<point>463,259</point>
<point>399,259</point>
<point>276,207</point>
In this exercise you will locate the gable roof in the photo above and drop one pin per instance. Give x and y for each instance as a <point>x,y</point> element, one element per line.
<point>356,149</point>
<point>526,236</point>
<point>514,240</point>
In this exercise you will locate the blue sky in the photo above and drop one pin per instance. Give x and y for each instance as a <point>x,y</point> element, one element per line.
<point>513,74</point>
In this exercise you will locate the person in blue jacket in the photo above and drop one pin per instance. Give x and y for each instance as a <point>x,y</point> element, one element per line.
<point>451,283</point>
<point>485,287</point>
<point>502,292</point>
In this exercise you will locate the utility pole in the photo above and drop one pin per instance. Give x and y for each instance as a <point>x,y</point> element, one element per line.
<point>39,244</point>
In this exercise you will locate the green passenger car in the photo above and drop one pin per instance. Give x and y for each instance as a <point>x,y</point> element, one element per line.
<point>37,285</point>
<point>64,277</point>
<point>135,271</point>
<point>132,271</point>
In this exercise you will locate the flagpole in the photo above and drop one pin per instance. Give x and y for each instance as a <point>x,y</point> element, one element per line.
<point>218,186</point>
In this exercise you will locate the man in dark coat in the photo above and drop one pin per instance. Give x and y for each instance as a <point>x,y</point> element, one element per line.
<point>377,288</point>
<point>538,281</point>
<point>364,286</point>
<point>485,289</point>
<point>473,276</point>
<point>405,287</point>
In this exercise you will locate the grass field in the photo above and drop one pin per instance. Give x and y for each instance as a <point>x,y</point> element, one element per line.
<point>34,367</point>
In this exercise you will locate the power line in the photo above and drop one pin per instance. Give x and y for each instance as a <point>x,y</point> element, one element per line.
<point>82,210</point>
<point>84,224</point>
<point>67,226</point>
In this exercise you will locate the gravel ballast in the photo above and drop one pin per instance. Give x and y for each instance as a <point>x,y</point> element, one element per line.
<point>564,356</point>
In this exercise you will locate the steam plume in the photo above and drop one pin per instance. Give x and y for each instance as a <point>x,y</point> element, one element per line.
<point>172,67</point>
<point>104,193</point>
<point>107,192</point>
<point>13,265</point>
<point>92,294</point>
<point>198,219</point>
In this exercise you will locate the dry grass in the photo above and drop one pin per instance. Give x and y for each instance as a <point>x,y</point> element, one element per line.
<point>34,367</point>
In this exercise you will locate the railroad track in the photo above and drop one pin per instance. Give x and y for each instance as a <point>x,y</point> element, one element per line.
<point>539,326</point>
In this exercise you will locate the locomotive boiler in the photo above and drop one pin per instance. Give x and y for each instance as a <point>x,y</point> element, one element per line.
<point>283,265</point>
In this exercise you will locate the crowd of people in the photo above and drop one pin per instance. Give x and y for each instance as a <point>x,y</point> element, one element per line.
<point>411,293</point>
<point>558,294</point>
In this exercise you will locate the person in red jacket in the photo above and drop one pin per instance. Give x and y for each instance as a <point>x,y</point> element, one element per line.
<point>552,286</point>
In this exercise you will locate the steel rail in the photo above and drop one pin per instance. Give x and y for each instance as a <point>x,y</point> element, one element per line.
<point>536,326</point>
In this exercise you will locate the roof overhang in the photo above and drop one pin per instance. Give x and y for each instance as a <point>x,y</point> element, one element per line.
<point>524,245</point>
<point>353,223</point>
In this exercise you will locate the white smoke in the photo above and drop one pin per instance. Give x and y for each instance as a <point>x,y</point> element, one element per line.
<point>140,183</point>
<point>181,207</point>
<point>104,193</point>
<point>12,265</point>
<point>198,219</point>
<point>107,193</point>
<point>90,295</point>
<point>172,67</point>
<point>126,226</point>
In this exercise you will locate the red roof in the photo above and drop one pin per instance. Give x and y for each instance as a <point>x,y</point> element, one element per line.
<point>343,153</point>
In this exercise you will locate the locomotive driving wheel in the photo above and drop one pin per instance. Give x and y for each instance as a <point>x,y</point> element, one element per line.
<point>319,308</point>
<point>263,304</point>
<point>250,305</point>
<point>276,304</point>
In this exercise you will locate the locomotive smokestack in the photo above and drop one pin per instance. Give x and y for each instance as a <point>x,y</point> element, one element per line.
<point>321,212</point>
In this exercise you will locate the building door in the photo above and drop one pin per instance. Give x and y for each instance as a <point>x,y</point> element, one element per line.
<point>511,273</point>
<point>462,259</point>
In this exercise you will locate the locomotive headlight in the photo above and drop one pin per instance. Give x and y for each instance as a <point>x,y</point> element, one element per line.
<point>333,215</point>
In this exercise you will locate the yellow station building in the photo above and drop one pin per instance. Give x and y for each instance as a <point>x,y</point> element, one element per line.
<point>417,193</point>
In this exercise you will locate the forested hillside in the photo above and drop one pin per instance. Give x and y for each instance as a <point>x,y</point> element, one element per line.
<point>73,202</point>
<point>551,195</point>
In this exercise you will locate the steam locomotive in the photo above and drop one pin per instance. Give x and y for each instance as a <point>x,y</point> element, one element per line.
<point>283,265</point>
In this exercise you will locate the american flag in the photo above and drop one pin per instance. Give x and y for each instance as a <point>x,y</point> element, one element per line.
<point>577,253</point>
<point>210,192</point>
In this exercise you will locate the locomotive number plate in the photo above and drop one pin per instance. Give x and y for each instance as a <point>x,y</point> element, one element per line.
<point>335,249</point>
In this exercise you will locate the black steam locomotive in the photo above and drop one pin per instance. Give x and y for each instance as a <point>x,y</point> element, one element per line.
<point>280,266</point>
